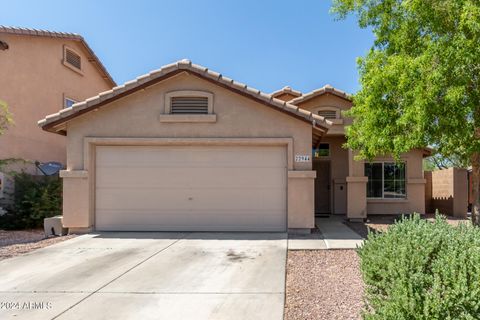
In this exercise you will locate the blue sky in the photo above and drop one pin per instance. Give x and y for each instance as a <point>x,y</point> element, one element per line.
<point>265,44</point>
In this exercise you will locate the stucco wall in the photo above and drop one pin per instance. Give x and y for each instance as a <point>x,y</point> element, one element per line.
<point>33,84</point>
<point>137,116</point>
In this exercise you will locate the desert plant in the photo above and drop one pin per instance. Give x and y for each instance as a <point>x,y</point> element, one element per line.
<point>35,198</point>
<point>422,270</point>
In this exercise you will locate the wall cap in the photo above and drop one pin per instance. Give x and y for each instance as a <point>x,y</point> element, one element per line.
<point>83,174</point>
<point>183,118</point>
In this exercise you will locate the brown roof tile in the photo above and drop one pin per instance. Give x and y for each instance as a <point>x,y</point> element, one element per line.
<point>54,120</point>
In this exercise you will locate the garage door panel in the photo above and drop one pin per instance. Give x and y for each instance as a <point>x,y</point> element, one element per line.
<point>190,177</point>
<point>191,188</point>
<point>254,200</point>
<point>198,221</point>
<point>177,156</point>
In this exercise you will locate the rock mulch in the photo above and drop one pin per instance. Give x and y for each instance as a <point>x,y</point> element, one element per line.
<point>14,243</point>
<point>323,284</point>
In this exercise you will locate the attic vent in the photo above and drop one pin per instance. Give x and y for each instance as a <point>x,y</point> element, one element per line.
<point>73,59</point>
<point>189,105</point>
<point>328,114</point>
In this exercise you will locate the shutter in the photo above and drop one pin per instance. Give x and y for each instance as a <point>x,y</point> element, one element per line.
<point>73,59</point>
<point>328,114</point>
<point>189,105</point>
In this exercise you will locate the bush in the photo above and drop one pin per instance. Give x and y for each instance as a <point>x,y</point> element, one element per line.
<point>35,198</point>
<point>422,270</point>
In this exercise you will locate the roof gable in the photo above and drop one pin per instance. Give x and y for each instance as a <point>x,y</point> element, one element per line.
<point>54,122</point>
<point>92,57</point>
<point>327,89</point>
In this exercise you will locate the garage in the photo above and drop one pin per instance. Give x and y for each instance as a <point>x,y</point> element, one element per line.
<point>190,188</point>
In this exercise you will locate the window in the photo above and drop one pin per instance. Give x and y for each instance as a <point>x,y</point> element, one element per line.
<point>328,114</point>
<point>323,150</point>
<point>69,102</point>
<point>386,180</point>
<point>189,105</point>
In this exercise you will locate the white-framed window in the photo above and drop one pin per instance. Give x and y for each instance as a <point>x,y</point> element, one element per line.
<point>68,102</point>
<point>188,102</point>
<point>323,150</point>
<point>386,180</point>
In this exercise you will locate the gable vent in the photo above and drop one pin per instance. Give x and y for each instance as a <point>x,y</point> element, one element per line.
<point>189,105</point>
<point>73,59</point>
<point>328,114</point>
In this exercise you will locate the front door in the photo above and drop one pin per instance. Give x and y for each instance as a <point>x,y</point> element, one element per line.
<point>322,186</point>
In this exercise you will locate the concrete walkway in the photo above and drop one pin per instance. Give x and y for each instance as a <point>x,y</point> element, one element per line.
<point>331,233</point>
<point>149,276</point>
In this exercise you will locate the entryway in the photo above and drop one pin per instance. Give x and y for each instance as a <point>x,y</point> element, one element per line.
<point>322,186</point>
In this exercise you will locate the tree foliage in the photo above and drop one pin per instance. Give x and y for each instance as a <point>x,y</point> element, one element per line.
<point>420,82</point>
<point>5,117</point>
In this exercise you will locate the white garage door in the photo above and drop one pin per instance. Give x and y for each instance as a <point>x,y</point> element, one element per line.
<point>185,188</point>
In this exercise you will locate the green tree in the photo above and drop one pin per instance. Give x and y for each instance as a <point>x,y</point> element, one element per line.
<point>420,81</point>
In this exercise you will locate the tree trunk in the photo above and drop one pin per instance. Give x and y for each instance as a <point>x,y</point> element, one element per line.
<point>476,189</point>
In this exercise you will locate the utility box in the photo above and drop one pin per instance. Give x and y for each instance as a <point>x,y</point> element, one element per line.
<point>53,226</point>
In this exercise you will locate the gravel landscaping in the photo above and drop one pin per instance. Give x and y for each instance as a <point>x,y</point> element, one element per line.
<point>381,223</point>
<point>323,284</point>
<point>14,243</point>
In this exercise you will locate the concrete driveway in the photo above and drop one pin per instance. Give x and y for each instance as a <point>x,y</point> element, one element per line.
<point>148,276</point>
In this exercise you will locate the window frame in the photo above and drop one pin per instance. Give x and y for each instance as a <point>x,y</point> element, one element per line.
<point>65,98</point>
<point>383,180</point>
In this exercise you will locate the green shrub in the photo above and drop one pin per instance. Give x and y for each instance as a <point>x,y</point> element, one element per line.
<point>422,270</point>
<point>35,198</point>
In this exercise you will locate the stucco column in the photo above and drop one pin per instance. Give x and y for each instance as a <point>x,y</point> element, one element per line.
<point>76,201</point>
<point>356,188</point>
<point>301,201</point>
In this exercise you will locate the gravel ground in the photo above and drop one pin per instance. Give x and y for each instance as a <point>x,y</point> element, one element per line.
<point>14,243</point>
<point>323,284</point>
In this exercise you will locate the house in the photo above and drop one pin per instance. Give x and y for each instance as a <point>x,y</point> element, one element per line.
<point>186,148</point>
<point>42,72</point>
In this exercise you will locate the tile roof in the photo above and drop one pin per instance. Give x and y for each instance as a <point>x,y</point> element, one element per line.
<point>318,92</point>
<point>288,90</point>
<point>64,35</point>
<point>53,121</point>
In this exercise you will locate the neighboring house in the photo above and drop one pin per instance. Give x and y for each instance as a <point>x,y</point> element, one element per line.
<point>185,148</point>
<point>42,72</point>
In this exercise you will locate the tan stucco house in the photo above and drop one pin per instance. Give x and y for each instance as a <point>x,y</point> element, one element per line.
<point>42,72</point>
<point>186,148</point>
